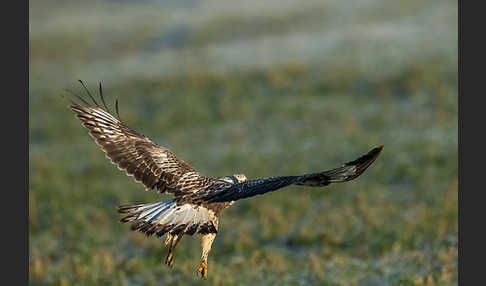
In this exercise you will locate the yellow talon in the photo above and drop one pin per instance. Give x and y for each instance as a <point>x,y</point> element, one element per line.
<point>203,270</point>
<point>170,259</point>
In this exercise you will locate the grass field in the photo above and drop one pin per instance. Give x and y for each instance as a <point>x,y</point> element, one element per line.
<point>278,89</point>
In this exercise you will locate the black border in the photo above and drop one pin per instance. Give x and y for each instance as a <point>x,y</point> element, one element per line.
<point>470,142</point>
<point>15,106</point>
<point>15,143</point>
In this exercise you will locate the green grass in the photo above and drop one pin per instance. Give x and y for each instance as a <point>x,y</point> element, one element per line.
<point>397,224</point>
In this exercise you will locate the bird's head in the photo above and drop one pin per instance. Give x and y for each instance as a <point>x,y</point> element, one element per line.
<point>234,179</point>
<point>240,177</point>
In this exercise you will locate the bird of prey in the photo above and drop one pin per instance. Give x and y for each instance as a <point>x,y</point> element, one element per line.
<point>198,199</point>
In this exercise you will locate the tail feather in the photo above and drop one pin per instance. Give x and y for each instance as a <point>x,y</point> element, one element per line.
<point>168,217</point>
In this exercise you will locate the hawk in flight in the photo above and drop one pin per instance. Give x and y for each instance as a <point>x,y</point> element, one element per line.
<point>198,200</point>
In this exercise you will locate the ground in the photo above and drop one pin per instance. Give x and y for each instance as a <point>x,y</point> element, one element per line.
<point>228,101</point>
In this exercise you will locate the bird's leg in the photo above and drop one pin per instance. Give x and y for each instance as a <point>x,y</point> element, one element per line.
<point>206,242</point>
<point>171,241</point>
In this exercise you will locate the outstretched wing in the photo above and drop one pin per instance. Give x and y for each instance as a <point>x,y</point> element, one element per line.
<point>347,172</point>
<point>151,164</point>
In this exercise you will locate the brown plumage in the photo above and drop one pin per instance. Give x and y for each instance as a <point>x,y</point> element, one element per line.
<point>152,165</point>
<point>198,200</point>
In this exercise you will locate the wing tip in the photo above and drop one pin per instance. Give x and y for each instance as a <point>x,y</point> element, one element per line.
<point>376,151</point>
<point>365,161</point>
<point>369,157</point>
<point>351,170</point>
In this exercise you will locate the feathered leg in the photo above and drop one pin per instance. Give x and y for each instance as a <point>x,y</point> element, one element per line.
<point>206,242</point>
<point>171,241</point>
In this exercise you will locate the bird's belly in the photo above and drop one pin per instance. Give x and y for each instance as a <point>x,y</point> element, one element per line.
<point>218,207</point>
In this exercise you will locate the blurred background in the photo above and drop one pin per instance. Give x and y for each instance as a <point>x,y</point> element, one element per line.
<point>263,88</point>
